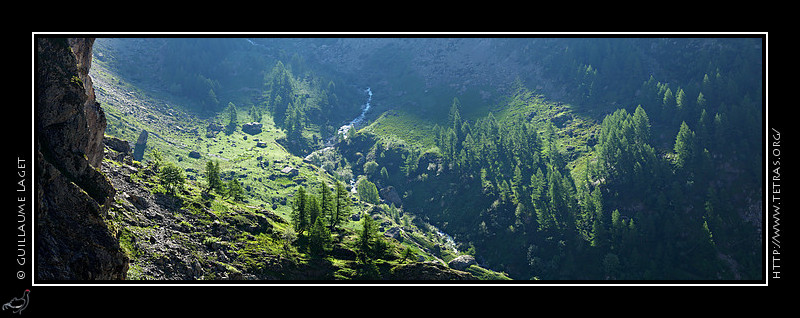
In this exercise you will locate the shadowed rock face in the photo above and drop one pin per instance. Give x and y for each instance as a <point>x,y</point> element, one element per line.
<point>73,241</point>
<point>95,117</point>
<point>141,144</point>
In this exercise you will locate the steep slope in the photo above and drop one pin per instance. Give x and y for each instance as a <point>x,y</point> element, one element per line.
<point>197,234</point>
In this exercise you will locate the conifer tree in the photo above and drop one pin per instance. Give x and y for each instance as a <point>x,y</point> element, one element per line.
<point>669,99</point>
<point>684,147</point>
<point>516,184</point>
<point>454,117</point>
<point>327,204</point>
<point>701,101</point>
<point>703,127</point>
<point>408,254</point>
<point>312,208</point>
<point>641,125</point>
<point>370,167</point>
<point>299,211</point>
<point>255,113</point>
<point>342,205</point>
<point>410,162</point>
<point>668,105</point>
<point>233,117</point>
<point>211,99</point>
<point>537,185</point>
<point>367,236</point>
<point>600,233</point>
<point>616,227</point>
<point>320,239</point>
<point>680,100</point>
<point>235,190</point>
<point>559,200</point>
<point>156,158</point>
<point>212,176</point>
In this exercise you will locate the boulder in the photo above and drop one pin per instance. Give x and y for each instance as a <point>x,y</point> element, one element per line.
<point>462,262</point>
<point>194,154</point>
<point>141,143</point>
<point>213,129</point>
<point>391,196</point>
<point>252,128</point>
<point>117,144</point>
<point>394,233</point>
<point>138,201</point>
<point>291,171</point>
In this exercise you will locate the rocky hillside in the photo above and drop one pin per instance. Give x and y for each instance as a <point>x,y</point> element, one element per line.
<point>105,215</point>
<point>198,235</point>
<point>170,238</point>
<point>72,195</point>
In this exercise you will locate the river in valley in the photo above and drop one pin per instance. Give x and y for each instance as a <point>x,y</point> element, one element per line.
<point>364,109</point>
<point>448,241</point>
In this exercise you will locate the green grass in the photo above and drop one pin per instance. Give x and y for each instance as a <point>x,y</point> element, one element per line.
<point>403,125</point>
<point>176,133</point>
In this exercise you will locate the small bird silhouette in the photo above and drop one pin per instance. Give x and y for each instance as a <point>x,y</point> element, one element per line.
<point>18,304</point>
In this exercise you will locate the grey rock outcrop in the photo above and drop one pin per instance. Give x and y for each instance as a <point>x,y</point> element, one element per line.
<point>462,262</point>
<point>95,117</point>
<point>72,239</point>
<point>117,144</point>
<point>141,144</point>
<point>252,128</point>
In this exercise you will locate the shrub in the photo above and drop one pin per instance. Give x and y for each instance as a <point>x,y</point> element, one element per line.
<point>172,177</point>
<point>367,191</point>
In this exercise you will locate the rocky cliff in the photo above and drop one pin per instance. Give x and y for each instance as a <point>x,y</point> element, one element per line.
<point>73,241</point>
<point>95,117</point>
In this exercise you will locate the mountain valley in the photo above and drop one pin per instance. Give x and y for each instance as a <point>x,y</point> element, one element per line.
<point>471,159</point>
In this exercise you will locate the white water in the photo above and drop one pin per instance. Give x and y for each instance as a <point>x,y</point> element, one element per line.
<point>343,130</point>
<point>449,242</point>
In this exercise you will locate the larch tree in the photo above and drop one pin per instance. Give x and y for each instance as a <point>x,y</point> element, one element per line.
<point>341,206</point>
<point>326,201</point>
<point>320,240</point>
<point>233,118</point>
<point>641,125</point>
<point>684,146</point>
<point>212,176</point>
<point>299,209</point>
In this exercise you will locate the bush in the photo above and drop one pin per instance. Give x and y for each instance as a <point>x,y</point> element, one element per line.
<point>367,191</point>
<point>370,167</point>
<point>172,177</point>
